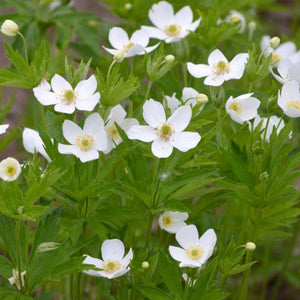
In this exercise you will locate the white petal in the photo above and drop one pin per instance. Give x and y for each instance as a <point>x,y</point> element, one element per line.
<point>117,114</point>
<point>64,108</point>
<point>237,66</point>
<point>214,80</point>
<point>142,133</point>
<point>140,37</point>
<point>68,149</point>
<point>154,113</point>
<point>88,103</point>
<point>286,49</point>
<point>293,72</point>
<point>175,227</point>
<point>58,84</point>
<point>233,115</point>
<point>189,93</point>
<point>93,123</point>
<point>290,90</point>
<point>180,119</point>
<point>199,70</point>
<point>292,112</point>
<point>172,102</point>
<point>161,148</point>
<point>89,260</point>
<point>215,57</point>
<point>249,108</point>
<point>155,33</point>
<point>177,253</point>
<point>265,45</point>
<point>187,236</point>
<point>128,123</point>
<point>185,141</point>
<point>71,131</point>
<point>45,97</point>
<point>86,88</point>
<point>112,249</point>
<point>161,14</point>
<point>3,128</point>
<point>118,38</point>
<point>184,17</point>
<point>85,156</point>
<point>119,273</point>
<point>93,273</point>
<point>111,51</point>
<point>195,24</point>
<point>127,258</point>
<point>207,242</point>
<point>135,50</point>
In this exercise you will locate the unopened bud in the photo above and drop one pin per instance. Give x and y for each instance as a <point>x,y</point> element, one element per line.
<point>9,28</point>
<point>20,210</point>
<point>275,42</point>
<point>128,6</point>
<point>264,176</point>
<point>250,246</point>
<point>119,56</point>
<point>252,25</point>
<point>201,98</point>
<point>169,58</point>
<point>45,247</point>
<point>145,265</point>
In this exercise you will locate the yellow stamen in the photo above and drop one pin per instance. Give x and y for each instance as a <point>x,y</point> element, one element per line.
<point>236,106</point>
<point>276,57</point>
<point>11,171</point>
<point>194,252</point>
<point>113,132</point>
<point>165,131</point>
<point>167,221</point>
<point>172,30</point>
<point>221,67</point>
<point>85,142</point>
<point>69,96</point>
<point>111,266</point>
<point>127,47</point>
<point>295,104</point>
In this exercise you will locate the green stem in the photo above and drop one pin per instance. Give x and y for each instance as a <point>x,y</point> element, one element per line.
<point>265,271</point>
<point>184,72</point>
<point>71,287</point>
<point>148,89</point>
<point>25,46</point>
<point>109,70</point>
<point>18,253</point>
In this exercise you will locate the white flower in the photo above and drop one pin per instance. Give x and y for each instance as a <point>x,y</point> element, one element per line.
<point>169,27</point>
<point>117,115</point>
<point>274,122</point>
<point>10,169</point>
<point>114,264</point>
<point>136,45</point>
<point>172,221</point>
<point>242,108</point>
<point>236,17</point>
<point>9,28</point>
<point>219,69</point>
<point>289,99</point>
<point>165,134</point>
<point>86,142</point>
<point>15,279</point>
<point>288,71</point>
<point>194,252</point>
<point>281,52</point>
<point>65,98</point>
<point>32,142</point>
<point>3,128</point>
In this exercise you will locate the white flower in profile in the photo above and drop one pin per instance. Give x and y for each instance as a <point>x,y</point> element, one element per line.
<point>117,115</point>
<point>274,122</point>
<point>32,142</point>
<point>172,221</point>
<point>113,264</point>
<point>283,51</point>
<point>287,70</point>
<point>219,69</point>
<point>86,142</point>
<point>195,251</point>
<point>165,133</point>
<point>170,27</point>
<point>10,169</point>
<point>236,17</point>
<point>242,108</point>
<point>65,98</point>
<point>3,128</point>
<point>15,279</point>
<point>289,99</point>
<point>135,45</point>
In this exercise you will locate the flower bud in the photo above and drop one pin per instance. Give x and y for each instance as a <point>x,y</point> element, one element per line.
<point>128,6</point>
<point>49,246</point>
<point>201,98</point>
<point>9,28</point>
<point>119,56</point>
<point>264,176</point>
<point>145,265</point>
<point>275,42</point>
<point>169,58</point>
<point>250,246</point>
<point>252,25</point>
<point>20,210</point>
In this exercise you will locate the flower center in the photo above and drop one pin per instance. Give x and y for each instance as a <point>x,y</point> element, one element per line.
<point>221,67</point>
<point>165,131</point>
<point>11,171</point>
<point>111,266</point>
<point>85,142</point>
<point>127,47</point>
<point>69,96</point>
<point>194,252</point>
<point>113,132</point>
<point>172,30</point>
<point>276,57</point>
<point>237,107</point>
<point>167,221</point>
<point>234,18</point>
<point>295,104</point>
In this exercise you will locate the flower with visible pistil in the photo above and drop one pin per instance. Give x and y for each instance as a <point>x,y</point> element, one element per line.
<point>219,69</point>
<point>65,98</point>
<point>136,45</point>
<point>86,142</point>
<point>195,251</point>
<point>114,263</point>
<point>172,221</point>
<point>165,134</point>
<point>10,169</point>
<point>169,27</point>
<point>242,108</point>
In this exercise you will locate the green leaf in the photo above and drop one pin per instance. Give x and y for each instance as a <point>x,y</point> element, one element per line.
<point>153,293</point>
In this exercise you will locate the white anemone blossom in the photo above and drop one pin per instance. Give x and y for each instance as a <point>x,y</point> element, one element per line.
<point>32,142</point>
<point>86,142</point>
<point>195,251</point>
<point>165,133</point>
<point>117,115</point>
<point>10,169</point>
<point>283,51</point>
<point>64,98</point>
<point>113,264</point>
<point>242,108</point>
<point>288,70</point>
<point>172,221</point>
<point>219,69</point>
<point>170,27</point>
<point>135,45</point>
<point>236,17</point>
<point>289,99</point>
<point>3,128</point>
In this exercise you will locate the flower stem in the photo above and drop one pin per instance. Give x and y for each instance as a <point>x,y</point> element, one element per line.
<point>109,70</point>
<point>148,89</point>
<point>18,253</point>
<point>25,46</point>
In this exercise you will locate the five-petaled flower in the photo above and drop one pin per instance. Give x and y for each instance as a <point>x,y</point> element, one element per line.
<point>10,169</point>
<point>195,251</point>
<point>169,27</point>
<point>172,221</point>
<point>113,264</point>
<point>86,142</point>
<point>65,98</point>
<point>219,69</point>
<point>165,133</point>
